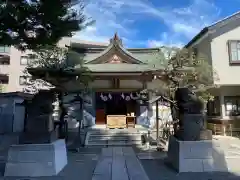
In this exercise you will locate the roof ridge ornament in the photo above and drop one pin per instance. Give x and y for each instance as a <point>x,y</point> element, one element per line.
<point>116,39</point>
<point>116,36</point>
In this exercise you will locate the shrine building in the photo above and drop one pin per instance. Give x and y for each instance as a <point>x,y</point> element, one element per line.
<point>119,75</point>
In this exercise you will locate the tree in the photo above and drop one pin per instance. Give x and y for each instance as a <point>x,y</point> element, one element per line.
<point>178,68</point>
<point>30,24</point>
<point>59,61</point>
<point>59,64</point>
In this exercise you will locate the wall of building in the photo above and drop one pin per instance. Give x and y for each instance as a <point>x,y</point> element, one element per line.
<point>203,49</point>
<point>228,74</point>
<point>14,69</point>
<point>224,93</point>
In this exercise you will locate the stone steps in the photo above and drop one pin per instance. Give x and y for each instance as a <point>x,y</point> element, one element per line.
<point>106,133</point>
<point>105,138</point>
<point>119,137</point>
<point>93,146</point>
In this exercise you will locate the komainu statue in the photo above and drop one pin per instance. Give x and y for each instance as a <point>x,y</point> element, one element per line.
<point>39,127</point>
<point>191,116</point>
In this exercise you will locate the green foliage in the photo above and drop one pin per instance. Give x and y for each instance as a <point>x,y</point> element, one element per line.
<point>30,24</point>
<point>62,61</point>
<point>184,68</point>
<point>53,57</point>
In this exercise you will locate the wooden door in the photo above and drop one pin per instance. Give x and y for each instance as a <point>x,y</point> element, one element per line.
<point>100,116</point>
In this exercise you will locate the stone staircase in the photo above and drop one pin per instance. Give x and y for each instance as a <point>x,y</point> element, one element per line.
<point>114,137</point>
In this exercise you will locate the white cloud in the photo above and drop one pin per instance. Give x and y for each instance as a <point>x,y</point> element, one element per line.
<point>165,40</point>
<point>190,20</point>
<point>120,15</point>
<point>105,13</point>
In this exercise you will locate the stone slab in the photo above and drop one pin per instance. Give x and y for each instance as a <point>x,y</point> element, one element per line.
<point>35,160</point>
<point>202,156</point>
<point>119,170</point>
<point>135,169</point>
<point>119,163</point>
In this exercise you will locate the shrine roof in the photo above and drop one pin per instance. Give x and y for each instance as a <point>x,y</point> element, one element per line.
<point>143,57</point>
<point>95,54</point>
<point>112,58</point>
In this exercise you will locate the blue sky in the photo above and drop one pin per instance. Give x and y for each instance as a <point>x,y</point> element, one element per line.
<point>151,23</point>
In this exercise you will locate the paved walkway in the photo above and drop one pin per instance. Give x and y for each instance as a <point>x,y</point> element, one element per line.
<point>119,163</point>
<point>122,163</point>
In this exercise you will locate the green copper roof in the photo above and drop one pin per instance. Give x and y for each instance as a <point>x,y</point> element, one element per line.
<point>97,59</point>
<point>98,54</point>
<point>143,57</point>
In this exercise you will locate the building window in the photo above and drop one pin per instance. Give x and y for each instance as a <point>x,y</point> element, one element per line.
<point>27,60</point>
<point>213,107</point>
<point>24,60</point>
<point>4,79</point>
<point>23,80</point>
<point>234,51</point>
<point>232,105</point>
<point>4,49</point>
<point>4,59</point>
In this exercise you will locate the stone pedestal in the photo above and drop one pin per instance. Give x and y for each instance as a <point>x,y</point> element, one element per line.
<point>203,156</point>
<point>35,160</point>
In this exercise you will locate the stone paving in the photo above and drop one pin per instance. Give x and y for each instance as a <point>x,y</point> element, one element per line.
<point>123,163</point>
<point>119,163</point>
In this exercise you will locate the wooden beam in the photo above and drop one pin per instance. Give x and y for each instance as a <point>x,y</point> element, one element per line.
<point>123,77</point>
<point>116,90</point>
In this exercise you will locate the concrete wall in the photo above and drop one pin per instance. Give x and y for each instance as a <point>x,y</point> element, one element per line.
<point>11,114</point>
<point>6,114</point>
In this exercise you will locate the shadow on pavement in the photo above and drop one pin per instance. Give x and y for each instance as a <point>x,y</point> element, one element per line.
<point>82,164</point>
<point>158,169</point>
<point>154,163</point>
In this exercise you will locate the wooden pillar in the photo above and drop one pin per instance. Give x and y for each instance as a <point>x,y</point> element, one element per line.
<point>222,106</point>
<point>81,110</point>
<point>144,84</point>
<point>157,121</point>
